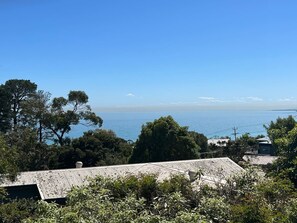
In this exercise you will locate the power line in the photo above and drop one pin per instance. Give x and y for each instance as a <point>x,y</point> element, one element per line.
<point>240,126</point>
<point>235,133</point>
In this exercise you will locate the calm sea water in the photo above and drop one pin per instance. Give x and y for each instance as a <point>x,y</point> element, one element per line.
<point>213,123</point>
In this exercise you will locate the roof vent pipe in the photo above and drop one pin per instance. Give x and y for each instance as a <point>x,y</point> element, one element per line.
<point>192,175</point>
<point>78,164</point>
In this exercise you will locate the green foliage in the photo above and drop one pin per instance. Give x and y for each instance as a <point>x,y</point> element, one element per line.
<point>31,155</point>
<point>284,138</point>
<point>201,141</point>
<point>29,121</point>
<point>235,150</point>
<point>36,108</point>
<point>17,210</point>
<point>215,209</point>
<point>129,199</point>
<point>102,147</point>
<point>278,130</point>
<point>169,205</point>
<point>65,157</point>
<point>64,113</point>
<point>147,186</point>
<point>277,192</point>
<point>8,158</point>
<point>14,93</point>
<point>164,140</point>
<point>251,211</point>
<point>176,183</point>
<point>94,148</point>
<point>291,210</point>
<point>257,199</point>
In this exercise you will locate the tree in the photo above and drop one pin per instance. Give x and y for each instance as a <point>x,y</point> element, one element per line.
<point>31,154</point>
<point>286,165</point>
<point>16,92</point>
<point>283,133</point>
<point>95,148</point>
<point>103,147</point>
<point>36,108</point>
<point>64,113</point>
<point>164,140</point>
<point>201,140</point>
<point>280,129</point>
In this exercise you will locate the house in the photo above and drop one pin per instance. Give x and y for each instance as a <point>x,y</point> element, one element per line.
<point>218,142</point>
<point>265,146</point>
<point>53,185</point>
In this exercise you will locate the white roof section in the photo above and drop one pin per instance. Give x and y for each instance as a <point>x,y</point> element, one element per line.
<point>54,184</point>
<point>218,142</point>
<point>264,140</point>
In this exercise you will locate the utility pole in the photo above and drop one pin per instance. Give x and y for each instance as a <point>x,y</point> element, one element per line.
<point>235,133</point>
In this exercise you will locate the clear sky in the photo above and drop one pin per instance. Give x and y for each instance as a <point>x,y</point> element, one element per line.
<point>155,53</point>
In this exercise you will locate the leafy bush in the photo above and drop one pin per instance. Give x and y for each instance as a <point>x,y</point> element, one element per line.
<point>17,210</point>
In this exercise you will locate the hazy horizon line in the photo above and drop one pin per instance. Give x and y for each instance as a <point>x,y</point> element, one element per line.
<point>163,108</point>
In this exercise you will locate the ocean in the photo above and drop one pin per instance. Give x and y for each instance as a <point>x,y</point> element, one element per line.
<point>212,123</point>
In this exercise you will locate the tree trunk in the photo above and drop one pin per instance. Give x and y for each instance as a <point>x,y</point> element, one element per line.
<point>40,132</point>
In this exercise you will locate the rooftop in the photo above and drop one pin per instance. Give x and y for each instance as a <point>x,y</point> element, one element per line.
<point>264,140</point>
<point>54,184</point>
<point>260,159</point>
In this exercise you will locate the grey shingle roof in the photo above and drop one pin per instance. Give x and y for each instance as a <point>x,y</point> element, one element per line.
<point>54,184</point>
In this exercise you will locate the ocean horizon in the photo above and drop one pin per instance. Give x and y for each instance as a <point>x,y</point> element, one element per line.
<point>211,123</point>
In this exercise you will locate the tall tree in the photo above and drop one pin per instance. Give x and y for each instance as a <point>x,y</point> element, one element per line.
<point>164,140</point>
<point>36,108</point>
<point>17,91</point>
<point>64,113</point>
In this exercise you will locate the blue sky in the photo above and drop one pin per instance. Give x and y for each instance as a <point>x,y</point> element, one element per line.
<point>155,54</point>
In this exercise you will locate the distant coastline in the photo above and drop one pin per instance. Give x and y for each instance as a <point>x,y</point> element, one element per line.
<point>285,110</point>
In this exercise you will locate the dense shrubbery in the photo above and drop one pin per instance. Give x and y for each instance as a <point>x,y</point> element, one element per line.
<point>17,210</point>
